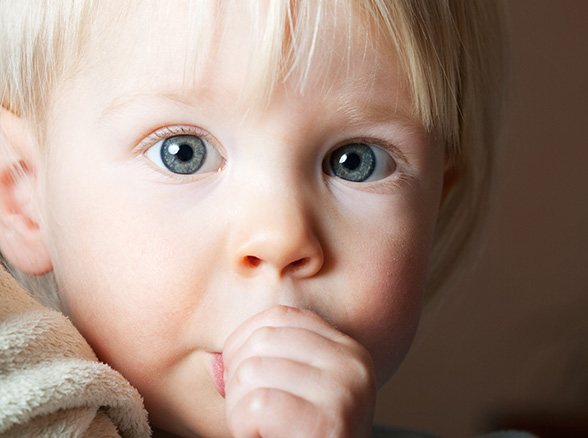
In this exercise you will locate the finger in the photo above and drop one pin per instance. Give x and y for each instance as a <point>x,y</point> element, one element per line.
<point>282,316</point>
<point>338,376</point>
<point>270,413</point>
<point>285,375</point>
<point>293,343</point>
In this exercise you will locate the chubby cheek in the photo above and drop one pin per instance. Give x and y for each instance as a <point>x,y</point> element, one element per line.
<point>118,298</point>
<point>124,287</point>
<point>384,285</point>
<point>386,311</point>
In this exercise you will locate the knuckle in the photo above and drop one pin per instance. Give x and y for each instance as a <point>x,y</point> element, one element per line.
<point>247,370</point>
<point>256,402</point>
<point>262,338</point>
<point>363,369</point>
<point>353,384</point>
<point>248,414</point>
<point>362,364</point>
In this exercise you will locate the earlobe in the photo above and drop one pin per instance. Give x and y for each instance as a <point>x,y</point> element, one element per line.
<point>21,239</point>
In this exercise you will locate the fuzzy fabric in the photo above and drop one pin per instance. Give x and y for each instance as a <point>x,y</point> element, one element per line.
<point>51,383</point>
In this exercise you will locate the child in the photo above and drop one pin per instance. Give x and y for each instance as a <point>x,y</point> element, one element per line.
<point>238,201</point>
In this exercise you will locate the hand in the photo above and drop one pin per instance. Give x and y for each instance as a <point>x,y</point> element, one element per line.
<point>290,373</point>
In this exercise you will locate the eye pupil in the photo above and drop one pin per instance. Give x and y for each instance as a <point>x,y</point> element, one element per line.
<point>184,153</point>
<point>350,161</point>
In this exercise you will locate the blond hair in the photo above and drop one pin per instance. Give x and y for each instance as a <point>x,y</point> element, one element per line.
<point>451,52</point>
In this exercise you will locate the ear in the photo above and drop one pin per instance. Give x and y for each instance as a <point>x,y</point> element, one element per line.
<point>21,240</point>
<point>451,177</point>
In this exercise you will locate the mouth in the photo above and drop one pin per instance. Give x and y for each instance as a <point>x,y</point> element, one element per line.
<point>218,368</point>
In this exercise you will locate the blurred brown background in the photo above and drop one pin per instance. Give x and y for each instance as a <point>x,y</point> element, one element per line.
<point>507,345</point>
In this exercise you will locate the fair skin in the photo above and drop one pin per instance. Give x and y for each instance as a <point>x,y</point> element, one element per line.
<point>309,284</point>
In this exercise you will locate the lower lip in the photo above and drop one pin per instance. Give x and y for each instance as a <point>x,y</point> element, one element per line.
<point>218,369</point>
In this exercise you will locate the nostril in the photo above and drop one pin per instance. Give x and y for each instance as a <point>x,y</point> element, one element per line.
<point>252,261</point>
<point>300,262</point>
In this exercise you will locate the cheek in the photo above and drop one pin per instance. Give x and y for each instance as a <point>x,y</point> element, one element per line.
<point>384,284</point>
<point>126,275</point>
<point>386,307</point>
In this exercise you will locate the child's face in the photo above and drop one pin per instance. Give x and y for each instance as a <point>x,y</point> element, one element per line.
<point>157,269</point>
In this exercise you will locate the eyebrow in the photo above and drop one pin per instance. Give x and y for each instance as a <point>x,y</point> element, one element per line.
<point>359,114</point>
<point>356,114</point>
<point>181,97</point>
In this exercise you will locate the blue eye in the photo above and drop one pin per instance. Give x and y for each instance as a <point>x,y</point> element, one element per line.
<point>185,154</point>
<point>359,162</point>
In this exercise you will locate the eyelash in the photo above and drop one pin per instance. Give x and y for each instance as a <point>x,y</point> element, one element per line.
<point>388,184</point>
<point>169,131</point>
<point>398,179</point>
<point>392,150</point>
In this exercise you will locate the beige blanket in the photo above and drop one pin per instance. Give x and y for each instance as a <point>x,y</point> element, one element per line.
<point>51,383</point>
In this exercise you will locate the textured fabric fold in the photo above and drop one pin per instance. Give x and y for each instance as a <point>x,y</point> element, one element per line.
<point>51,383</point>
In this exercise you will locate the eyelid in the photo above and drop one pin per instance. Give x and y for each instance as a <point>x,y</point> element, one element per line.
<point>387,146</point>
<point>171,130</point>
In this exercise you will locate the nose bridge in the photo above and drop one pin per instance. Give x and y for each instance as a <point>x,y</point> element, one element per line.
<point>275,230</point>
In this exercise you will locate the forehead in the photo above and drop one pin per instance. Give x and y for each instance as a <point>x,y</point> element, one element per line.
<point>241,49</point>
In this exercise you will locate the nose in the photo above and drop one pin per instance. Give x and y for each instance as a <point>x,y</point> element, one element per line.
<point>281,240</point>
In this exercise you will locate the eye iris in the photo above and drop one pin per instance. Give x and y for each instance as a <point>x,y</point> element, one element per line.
<point>183,154</point>
<point>354,162</point>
